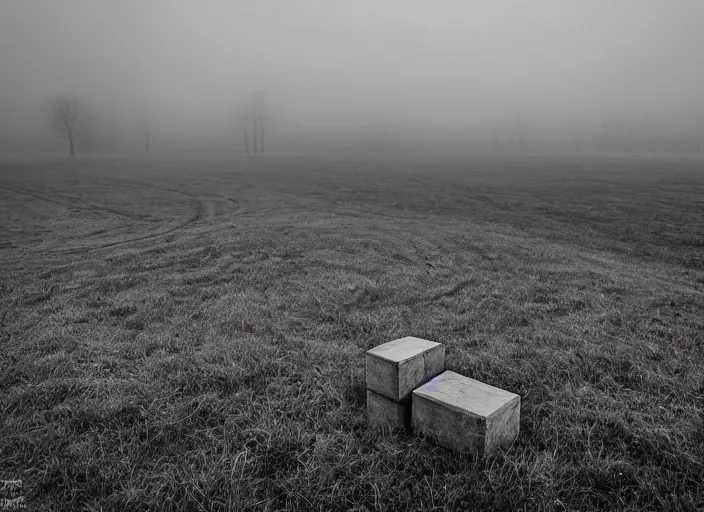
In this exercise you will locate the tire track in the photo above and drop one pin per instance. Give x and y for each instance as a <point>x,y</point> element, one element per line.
<point>203,209</point>
<point>238,203</point>
<point>200,211</point>
<point>73,205</point>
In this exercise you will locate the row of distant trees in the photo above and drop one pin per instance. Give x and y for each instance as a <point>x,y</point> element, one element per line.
<point>71,119</point>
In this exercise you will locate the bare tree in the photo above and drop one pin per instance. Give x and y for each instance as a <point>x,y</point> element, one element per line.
<point>257,108</point>
<point>519,129</point>
<point>250,119</point>
<point>65,116</point>
<point>255,131</point>
<point>260,116</point>
<point>146,123</point>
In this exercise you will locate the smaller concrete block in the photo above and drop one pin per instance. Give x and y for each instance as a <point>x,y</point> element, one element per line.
<point>384,412</point>
<point>465,414</point>
<point>396,368</point>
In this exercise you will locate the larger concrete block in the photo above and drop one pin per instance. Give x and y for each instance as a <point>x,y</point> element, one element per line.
<point>396,368</point>
<point>465,414</point>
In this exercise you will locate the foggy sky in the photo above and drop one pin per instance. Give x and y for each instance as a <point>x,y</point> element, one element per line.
<point>433,63</point>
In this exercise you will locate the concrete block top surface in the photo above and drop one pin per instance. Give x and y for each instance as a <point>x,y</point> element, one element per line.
<point>467,395</point>
<point>402,349</point>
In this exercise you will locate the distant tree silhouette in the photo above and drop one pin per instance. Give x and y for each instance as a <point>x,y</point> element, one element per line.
<point>66,117</point>
<point>257,109</point>
<point>147,125</point>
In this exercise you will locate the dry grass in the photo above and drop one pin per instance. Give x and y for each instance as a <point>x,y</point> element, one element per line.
<point>189,335</point>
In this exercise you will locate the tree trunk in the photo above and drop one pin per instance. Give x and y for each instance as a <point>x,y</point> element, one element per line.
<point>256,139</point>
<point>261,135</point>
<point>70,142</point>
<point>146,142</point>
<point>246,141</point>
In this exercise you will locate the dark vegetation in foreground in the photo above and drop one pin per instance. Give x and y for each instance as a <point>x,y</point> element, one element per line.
<point>189,335</point>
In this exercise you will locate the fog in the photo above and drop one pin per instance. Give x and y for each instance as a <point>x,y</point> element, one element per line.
<point>363,75</point>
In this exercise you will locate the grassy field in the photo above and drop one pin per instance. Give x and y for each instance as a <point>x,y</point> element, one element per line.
<point>188,334</point>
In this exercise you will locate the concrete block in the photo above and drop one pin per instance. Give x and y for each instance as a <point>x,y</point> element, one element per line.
<point>382,411</point>
<point>464,414</point>
<point>396,368</point>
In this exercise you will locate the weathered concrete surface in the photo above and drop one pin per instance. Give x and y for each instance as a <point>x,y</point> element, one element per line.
<point>382,411</point>
<point>396,368</point>
<point>465,414</point>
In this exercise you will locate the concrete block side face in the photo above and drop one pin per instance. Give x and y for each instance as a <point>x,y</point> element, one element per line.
<point>411,374</point>
<point>382,412</point>
<point>434,360</point>
<point>503,428</point>
<point>382,376</point>
<point>448,427</point>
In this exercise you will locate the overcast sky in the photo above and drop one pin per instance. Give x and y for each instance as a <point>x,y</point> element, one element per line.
<point>439,60</point>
